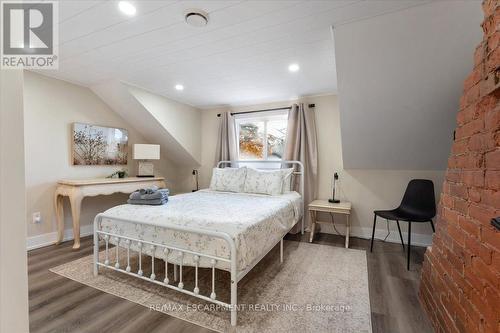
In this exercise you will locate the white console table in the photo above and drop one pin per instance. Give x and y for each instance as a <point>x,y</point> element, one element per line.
<point>76,190</point>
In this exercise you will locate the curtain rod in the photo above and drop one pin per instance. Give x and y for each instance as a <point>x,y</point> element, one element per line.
<point>265,110</point>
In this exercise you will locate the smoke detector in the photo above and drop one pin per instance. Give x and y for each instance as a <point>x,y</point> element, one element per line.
<point>196,18</point>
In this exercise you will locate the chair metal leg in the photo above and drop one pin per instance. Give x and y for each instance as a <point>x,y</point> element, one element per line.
<point>373,231</point>
<point>432,225</point>
<point>409,246</point>
<point>400,235</point>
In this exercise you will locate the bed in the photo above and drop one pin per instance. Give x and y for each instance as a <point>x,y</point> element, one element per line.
<point>210,229</point>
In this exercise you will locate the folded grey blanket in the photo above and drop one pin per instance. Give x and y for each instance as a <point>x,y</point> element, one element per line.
<point>155,202</point>
<point>150,194</point>
<point>149,190</point>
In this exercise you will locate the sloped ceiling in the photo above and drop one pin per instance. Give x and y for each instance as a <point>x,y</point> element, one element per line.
<point>400,78</point>
<point>176,127</point>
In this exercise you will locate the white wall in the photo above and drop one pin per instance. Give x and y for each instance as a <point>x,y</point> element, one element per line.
<point>400,75</point>
<point>51,106</point>
<point>366,189</point>
<point>13,262</point>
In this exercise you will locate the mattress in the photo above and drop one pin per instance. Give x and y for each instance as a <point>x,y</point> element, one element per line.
<point>253,221</point>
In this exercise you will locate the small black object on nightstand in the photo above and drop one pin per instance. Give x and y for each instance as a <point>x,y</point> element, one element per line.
<point>335,178</point>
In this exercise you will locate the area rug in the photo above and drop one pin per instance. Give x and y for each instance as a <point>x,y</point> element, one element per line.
<point>318,288</point>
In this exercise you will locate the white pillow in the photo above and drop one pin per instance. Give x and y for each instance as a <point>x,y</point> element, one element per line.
<point>287,179</point>
<point>264,181</point>
<point>228,179</point>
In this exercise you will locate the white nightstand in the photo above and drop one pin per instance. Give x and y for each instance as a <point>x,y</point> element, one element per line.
<point>342,207</point>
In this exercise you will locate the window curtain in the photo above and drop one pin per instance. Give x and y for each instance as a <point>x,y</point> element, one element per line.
<point>226,142</point>
<point>301,145</point>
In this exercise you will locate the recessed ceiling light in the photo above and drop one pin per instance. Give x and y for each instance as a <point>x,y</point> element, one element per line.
<point>179,87</point>
<point>196,17</point>
<point>127,8</point>
<point>293,67</point>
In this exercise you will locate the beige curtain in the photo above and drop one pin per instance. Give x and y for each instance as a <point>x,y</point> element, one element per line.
<point>301,145</point>
<point>226,142</point>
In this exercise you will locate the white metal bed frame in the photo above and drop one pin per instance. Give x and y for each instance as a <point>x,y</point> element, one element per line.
<point>235,275</point>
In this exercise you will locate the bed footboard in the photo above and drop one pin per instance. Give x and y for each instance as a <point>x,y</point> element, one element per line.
<point>112,260</point>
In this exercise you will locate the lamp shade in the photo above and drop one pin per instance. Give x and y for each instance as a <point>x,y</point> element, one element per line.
<point>146,152</point>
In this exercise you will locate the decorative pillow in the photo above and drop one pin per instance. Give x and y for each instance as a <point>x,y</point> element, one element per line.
<point>228,179</point>
<point>264,181</point>
<point>287,179</point>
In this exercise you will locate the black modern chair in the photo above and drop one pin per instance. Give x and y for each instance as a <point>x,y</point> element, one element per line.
<point>418,205</point>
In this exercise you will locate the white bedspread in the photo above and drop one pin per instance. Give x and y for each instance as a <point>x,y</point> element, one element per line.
<point>253,221</point>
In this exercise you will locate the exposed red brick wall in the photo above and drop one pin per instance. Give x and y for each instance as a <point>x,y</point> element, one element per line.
<point>460,285</point>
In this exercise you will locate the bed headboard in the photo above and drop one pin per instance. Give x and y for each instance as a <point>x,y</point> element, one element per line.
<point>298,172</point>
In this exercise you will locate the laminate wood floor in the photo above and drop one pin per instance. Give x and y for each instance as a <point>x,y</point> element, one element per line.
<point>57,304</point>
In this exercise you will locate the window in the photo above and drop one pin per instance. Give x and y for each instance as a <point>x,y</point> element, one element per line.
<point>262,137</point>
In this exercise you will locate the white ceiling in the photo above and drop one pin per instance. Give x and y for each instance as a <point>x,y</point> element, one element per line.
<point>240,57</point>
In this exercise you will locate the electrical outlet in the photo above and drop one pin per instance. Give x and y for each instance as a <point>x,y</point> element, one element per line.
<point>36,217</point>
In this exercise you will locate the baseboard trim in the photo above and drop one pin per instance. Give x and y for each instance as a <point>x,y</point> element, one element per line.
<point>36,242</point>
<point>366,233</point>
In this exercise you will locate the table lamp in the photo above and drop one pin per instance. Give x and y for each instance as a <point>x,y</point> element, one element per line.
<point>144,153</point>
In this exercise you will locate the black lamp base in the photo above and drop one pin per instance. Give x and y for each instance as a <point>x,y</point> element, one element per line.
<point>333,200</point>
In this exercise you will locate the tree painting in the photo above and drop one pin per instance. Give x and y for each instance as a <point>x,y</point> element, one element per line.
<point>97,145</point>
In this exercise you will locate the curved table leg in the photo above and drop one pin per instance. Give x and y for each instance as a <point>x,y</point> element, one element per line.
<point>75,200</point>
<point>59,212</point>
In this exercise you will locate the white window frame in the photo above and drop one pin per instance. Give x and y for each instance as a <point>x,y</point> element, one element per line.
<point>259,117</point>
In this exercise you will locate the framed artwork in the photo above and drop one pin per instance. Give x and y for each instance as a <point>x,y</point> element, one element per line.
<point>98,145</point>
